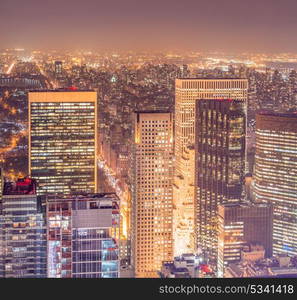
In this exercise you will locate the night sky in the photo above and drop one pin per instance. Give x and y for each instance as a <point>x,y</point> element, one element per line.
<point>228,25</point>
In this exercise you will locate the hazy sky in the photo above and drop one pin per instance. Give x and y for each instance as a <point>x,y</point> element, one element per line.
<point>230,25</point>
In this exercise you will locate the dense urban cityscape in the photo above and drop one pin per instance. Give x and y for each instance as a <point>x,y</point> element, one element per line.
<point>148,148</point>
<point>147,164</point>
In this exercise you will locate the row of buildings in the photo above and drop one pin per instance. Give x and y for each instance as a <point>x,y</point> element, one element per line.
<point>187,180</point>
<point>217,211</point>
<point>57,237</point>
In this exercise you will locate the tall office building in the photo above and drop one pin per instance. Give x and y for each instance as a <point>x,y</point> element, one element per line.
<point>276,176</point>
<point>1,227</point>
<point>1,183</point>
<point>58,67</point>
<point>63,141</point>
<point>187,91</point>
<point>241,224</point>
<point>152,192</point>
<point>83,236</point>
<point>220,165</point>
<point>22,231</point>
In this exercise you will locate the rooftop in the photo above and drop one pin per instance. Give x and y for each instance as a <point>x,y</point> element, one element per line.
<point>152,111</point>
<point>23,186</point>
<point>83,197</point>
<point>85,201</point>
<point>282,115</point>
<point>213,78</point>
<point>244,204</point>
<point>69,89</point>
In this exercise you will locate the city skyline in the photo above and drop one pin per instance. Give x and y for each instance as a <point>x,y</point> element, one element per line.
<point>150,160</point>
<point>148,139</point>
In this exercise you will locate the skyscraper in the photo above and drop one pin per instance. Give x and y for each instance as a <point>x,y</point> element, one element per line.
<point>58,67</point>
<point>240,224</point>
<point>83,236</point>
<point>152,192</point>
<point>1,184</point>
<point>63,141</point>
<point>220,165</point>
<point>22,231</point>
<point>187,91</point>
<point>276,175</point>
<point>2,267</point>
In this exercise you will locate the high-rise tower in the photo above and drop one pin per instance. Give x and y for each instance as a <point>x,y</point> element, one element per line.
<point>22,231</point>
<point>83,236</point>
<point>63,141</point>
<point>187,91</point>
<point>220,165</point>
<point>152,192</point>
<point>276,176</point>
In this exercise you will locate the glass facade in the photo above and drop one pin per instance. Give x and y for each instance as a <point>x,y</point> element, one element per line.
<point>187,91</point>
<point>83,237</point>
<point>1,228</point>
<point>220,165</point>
<point>22,233</point>
<point>276,176</point>
<point>95,254</point>
<point>62,141</point>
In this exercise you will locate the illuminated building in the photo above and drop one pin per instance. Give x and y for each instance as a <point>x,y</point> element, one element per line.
<point>83,236</point>
<point>21,83</point>
<point>187,91</point>
<point>58,67</point>
<point>22,231</point>
<point>125,245</point>
<point>1,228</point>
<point>240,224</point>
<point>152,192</point>
<point>63,141</point>
<point>220,165</point>
<point>1,185</point>
<point>276,176</point>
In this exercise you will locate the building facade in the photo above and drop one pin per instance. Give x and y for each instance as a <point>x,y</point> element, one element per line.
<point>276,176</point>
<point>1,227</point>
<point>63,141</point>
<point>58,67</point>
<point>187,91</point>
<point>152,192</point>
<point>1,183</point>
<point>83,236</point>
<point>220,166</point>
<point>22,231</point>
<point>240,224</point>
